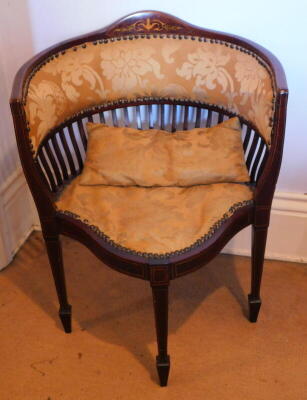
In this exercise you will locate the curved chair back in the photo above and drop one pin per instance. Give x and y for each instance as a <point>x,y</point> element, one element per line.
<point>150,70</point>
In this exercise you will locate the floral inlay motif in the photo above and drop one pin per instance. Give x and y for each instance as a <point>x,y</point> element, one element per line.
<point>148,25</point>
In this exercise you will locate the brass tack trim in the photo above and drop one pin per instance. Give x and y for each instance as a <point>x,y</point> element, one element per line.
<point>148,36</point>
<point>184,250</point>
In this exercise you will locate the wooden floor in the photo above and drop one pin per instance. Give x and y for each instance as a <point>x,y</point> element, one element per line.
<point>216,354</point>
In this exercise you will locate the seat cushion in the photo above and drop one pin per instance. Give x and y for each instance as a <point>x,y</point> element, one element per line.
<point>124,156</point>
<point>154,220</point>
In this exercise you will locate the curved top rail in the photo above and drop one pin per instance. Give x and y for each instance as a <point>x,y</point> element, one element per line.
<point>148,22</point>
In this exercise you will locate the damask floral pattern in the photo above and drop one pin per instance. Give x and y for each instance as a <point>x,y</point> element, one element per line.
<point>74,70</point>
<point>127,66</point>
<point>208,68</point>
<point>94,73</point>
<point>168,50</point>
<point>248,73</point>
<point>46,104</point>
<point>174,90</point>
<point>260,107</point>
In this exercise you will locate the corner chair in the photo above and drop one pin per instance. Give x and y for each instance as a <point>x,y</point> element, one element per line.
<point>150,70</point>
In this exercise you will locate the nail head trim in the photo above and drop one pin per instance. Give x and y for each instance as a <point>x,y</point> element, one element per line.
<point>146,255</point>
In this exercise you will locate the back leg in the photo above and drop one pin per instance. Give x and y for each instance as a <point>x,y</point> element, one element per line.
<point>259,237</point>
<point>54,250</point>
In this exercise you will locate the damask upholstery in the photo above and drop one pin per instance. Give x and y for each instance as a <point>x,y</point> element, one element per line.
<point>124,156</point>
<point>153,66</point>
<point>127,217</point>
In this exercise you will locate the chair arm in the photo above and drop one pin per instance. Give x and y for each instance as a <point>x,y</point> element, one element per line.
<point>266,185</point>
<point>43,197</point>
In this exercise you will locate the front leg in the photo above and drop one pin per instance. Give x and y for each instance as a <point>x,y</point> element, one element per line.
<point>55,256</point>
<point>159,285</point>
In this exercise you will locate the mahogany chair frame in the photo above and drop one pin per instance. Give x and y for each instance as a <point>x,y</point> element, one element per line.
<point>45,183</point>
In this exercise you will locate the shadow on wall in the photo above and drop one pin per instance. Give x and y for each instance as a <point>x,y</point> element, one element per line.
<point>117,309</point>
<point>16,47</point>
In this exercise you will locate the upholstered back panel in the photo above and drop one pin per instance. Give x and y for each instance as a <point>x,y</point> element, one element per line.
<point>212,72</point>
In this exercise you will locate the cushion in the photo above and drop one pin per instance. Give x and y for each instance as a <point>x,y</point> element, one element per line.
<point>155,220</point>
<point>122,156</point>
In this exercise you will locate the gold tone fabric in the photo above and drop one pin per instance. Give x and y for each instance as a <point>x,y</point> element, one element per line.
<point>128,157</point>
<point>89,75</point>
<point>153,220</point>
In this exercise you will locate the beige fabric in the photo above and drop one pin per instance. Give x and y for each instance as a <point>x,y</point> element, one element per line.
<point>153,220</point>
<point>161,67</point>
<point>127,157</point>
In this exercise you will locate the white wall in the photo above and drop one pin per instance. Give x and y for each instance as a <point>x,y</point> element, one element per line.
<point>28,26</point>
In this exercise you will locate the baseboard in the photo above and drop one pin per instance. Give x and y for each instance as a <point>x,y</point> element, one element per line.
<point>287,237</point>
<point>17,216</point>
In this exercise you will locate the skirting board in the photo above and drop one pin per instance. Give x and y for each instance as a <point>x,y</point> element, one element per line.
<point>287,239</point>
<point>16,216</point>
